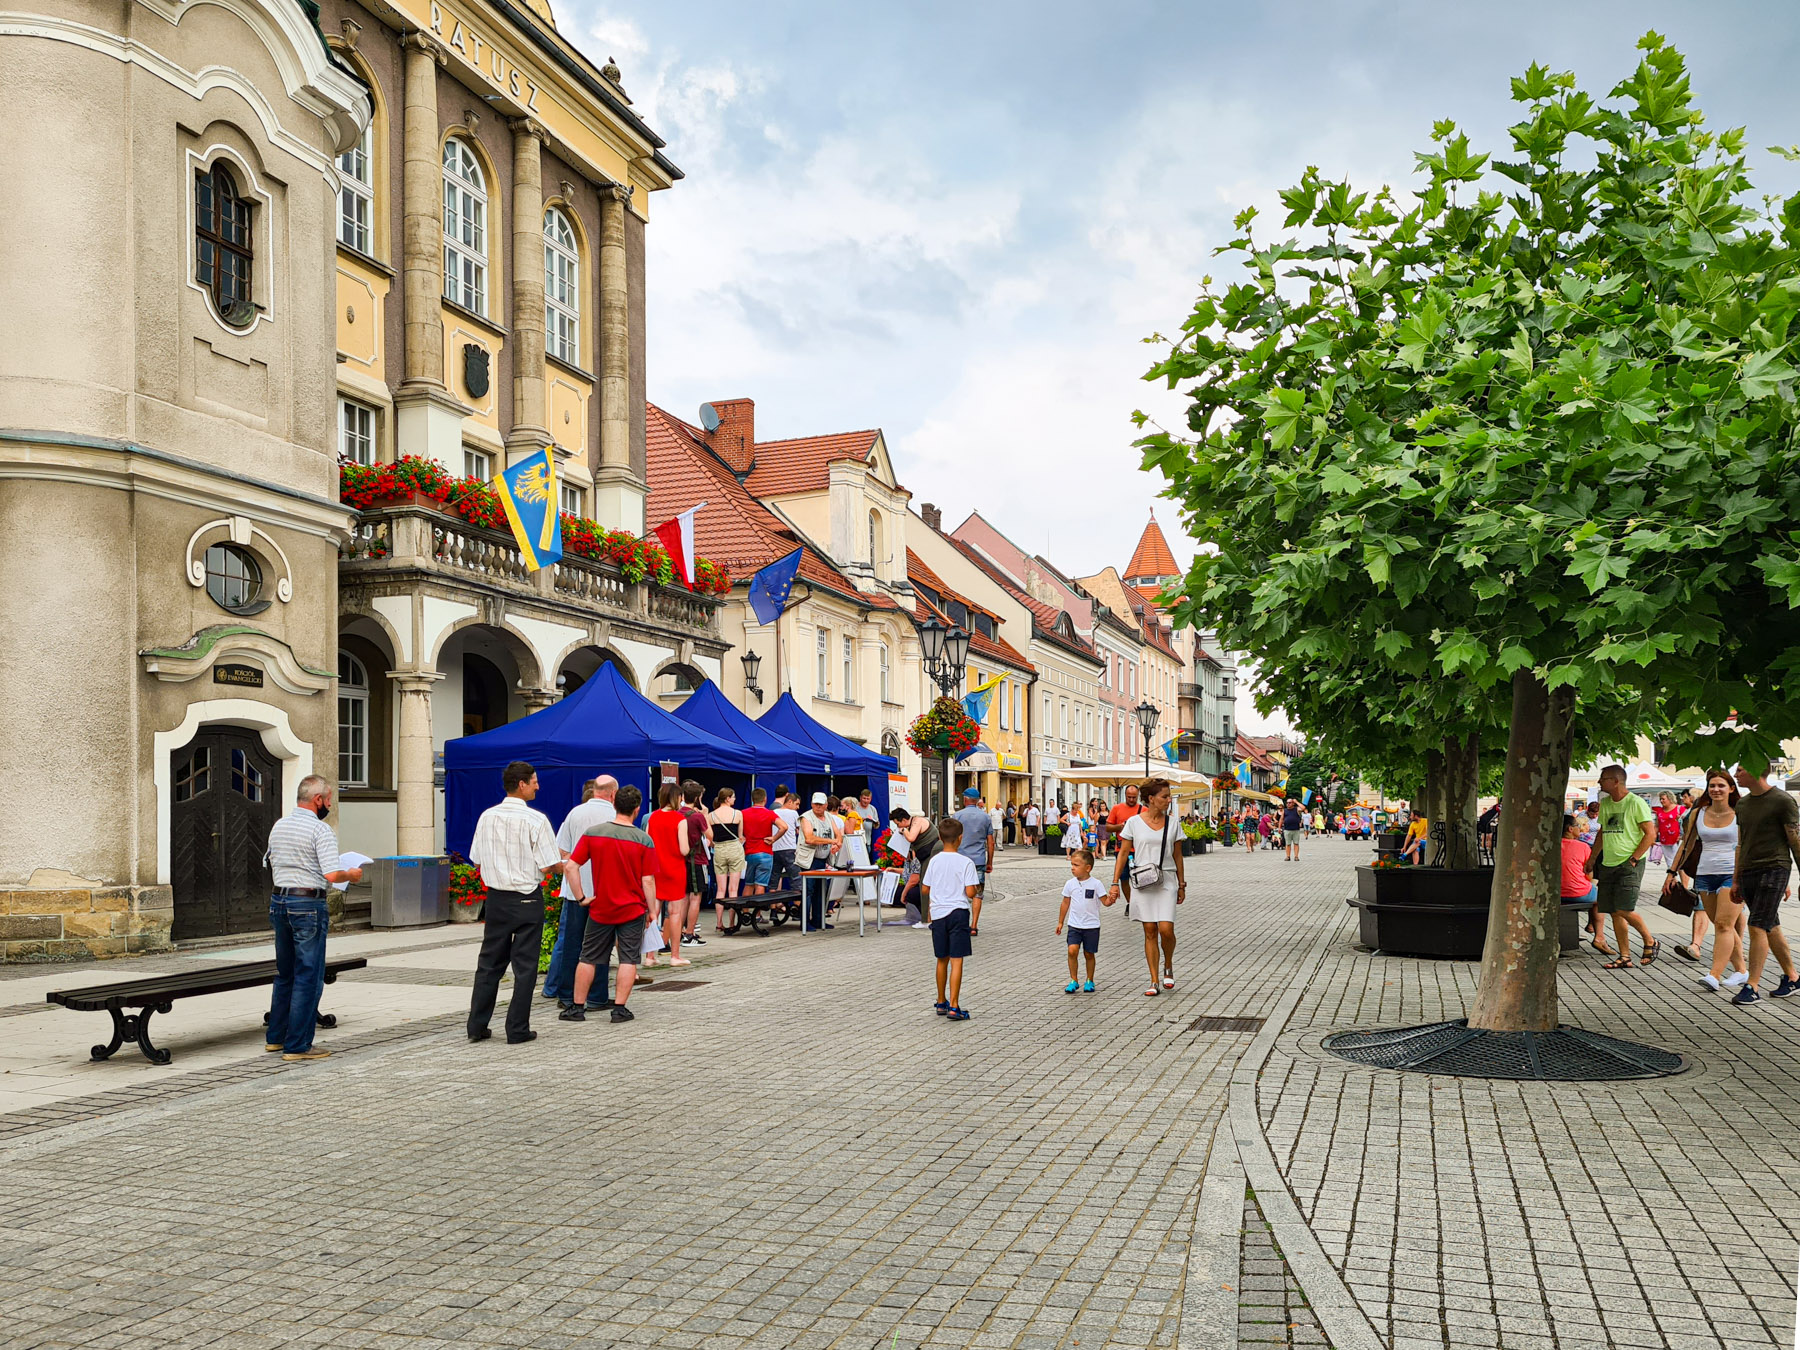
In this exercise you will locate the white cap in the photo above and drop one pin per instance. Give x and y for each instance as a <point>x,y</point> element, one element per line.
<point>819,799</point>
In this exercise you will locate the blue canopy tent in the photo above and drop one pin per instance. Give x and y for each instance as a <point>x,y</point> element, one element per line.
<point>853,767</point>
<point>605,726</point>
<point>777,759</point>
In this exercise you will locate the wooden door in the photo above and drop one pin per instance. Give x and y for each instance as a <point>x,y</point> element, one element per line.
<point>226,791</point>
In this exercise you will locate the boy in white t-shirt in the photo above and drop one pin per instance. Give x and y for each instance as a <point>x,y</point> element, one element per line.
<point>1082,898</point>
<point>950,885</point>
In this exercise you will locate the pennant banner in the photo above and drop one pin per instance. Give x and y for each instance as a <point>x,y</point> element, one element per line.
<point>527,493</point>
<point>980,699</point>
<point>769,587</point>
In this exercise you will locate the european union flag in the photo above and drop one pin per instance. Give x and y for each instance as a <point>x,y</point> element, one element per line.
<point>769,587</point>
<point>527,493</point>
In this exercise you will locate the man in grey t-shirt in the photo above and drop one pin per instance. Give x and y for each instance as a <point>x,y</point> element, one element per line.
<point>978,837</point>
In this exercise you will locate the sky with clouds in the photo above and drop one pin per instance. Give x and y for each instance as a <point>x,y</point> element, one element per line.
<point>957,222</point>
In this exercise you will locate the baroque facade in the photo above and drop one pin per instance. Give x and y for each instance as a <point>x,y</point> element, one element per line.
<point>490,300</point>
<point>169,495</point>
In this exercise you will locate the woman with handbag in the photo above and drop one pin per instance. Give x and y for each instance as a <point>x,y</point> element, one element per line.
<point>1150,846</point>
<point>1705,859</point>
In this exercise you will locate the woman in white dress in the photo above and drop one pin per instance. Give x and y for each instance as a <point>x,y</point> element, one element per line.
<point>1150,842</point>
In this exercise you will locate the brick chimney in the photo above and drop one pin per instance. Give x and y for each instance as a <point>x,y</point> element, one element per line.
<point>931,516</point>
<point>735,440</point>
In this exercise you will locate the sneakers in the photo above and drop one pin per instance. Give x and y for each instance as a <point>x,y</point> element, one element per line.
<point>1745,997</point>
<point>921,924</point>
<point>693,940</point>
<point>1088,987</point>
<point>1710,982</point>
<point>271,1049</point>
<point>575,1012</point>
<point>1072,987</point>
<point>1786,989</point>
<point>309,1054</point>
<point>1736,980</point>
<point>623,1015</point>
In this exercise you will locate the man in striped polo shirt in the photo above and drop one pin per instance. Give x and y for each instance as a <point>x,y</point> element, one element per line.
<point>303,858</point>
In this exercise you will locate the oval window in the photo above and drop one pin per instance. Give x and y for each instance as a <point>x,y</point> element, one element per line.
<point>234,580</point>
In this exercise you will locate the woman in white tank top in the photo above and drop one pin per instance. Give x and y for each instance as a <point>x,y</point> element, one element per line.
<point>1706,857</point>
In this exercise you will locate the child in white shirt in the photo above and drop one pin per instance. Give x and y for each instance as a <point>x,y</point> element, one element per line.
<point>1082,898</point>
<point>950,885</point>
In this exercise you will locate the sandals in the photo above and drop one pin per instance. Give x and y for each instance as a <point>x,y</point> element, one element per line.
<point>1152,992</point>
<point>1622,963</point>
<point>941,1009</point>
<point>1169,980</point>
<point>958,1014</point>
<point>1072,987</point>
<point>1650,953</point>
<point>1691,952</point>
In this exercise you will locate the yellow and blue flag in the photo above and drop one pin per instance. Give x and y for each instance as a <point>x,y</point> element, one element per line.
<point>1171,749</point>
<point>527,493</point>
<point>1243,772</point>
<point>981,698</point>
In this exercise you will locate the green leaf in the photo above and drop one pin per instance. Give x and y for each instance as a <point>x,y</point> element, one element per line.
<point>1339,481</point>
<point>1513,658</point>
<point>1762,373</point>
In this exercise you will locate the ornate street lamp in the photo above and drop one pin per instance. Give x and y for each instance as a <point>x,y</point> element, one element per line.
<point>1147,718</point>
<point>752,664</point>
<point>946,653</point>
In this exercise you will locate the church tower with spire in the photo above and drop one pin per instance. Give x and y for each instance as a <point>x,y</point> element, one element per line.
<point>1152,563</point>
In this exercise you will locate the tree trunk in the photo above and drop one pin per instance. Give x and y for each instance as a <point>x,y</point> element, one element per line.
<point>1460,784</point>
<point>1518,966</point>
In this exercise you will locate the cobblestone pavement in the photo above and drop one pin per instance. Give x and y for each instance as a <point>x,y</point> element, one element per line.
<point>1463,1212</point>
<point>1272,1308</point>
<point>792,1151</point>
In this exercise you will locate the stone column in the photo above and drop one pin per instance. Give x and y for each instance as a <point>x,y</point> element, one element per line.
<point>619,495</point>
<point>428,418</point>
<point>415,810</point>
<point>422,216</point>
<point>536,700</point>
<point>530,429</point>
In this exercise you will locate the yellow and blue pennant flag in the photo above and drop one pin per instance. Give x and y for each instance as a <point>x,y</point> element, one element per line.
<point>1243,772</point>
<point>1171,749</point>
<point>527,493</point>
<point>981,698</point>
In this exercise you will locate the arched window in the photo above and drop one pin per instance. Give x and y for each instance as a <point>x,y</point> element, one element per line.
<point>877,554</point>
<point>562,289</point>
<point>356,194</point>
<point>887,695</point>
<point>222,245</point>
<point>465,227</point>
<point>353,722</point>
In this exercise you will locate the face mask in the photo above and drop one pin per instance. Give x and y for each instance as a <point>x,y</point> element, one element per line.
<point>322,810</point>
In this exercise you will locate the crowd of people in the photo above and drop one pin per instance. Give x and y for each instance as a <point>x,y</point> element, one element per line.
<point>1727,850</point>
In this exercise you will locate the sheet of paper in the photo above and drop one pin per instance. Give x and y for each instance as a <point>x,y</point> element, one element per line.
<point>346,861</point>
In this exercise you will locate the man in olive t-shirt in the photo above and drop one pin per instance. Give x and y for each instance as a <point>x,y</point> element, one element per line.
<point>1627,829</point>
<point>1768,840</point>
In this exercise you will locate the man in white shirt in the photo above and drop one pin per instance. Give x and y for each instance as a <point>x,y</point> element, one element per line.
<point>303,861</point>
<point>595,810</point>
<point>1032,821</point>
<point>513,846</point>
<point>785,874</point>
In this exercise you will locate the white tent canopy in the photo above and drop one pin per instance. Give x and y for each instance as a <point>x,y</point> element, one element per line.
<point>1185,782</point>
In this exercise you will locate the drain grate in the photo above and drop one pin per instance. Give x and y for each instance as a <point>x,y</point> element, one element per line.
<point>1565,1055</point>
<point>1226,1024</point>
<point>665,985</point>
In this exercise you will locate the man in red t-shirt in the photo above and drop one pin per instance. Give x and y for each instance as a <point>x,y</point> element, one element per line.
<point>622,861</point>
<point>761,826</point>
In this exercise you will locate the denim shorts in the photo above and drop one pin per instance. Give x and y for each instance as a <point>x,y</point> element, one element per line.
<point>758,868</point>
<point>1712,881</point>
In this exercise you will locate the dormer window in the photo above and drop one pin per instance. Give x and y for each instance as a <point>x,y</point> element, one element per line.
<point>984,625</point>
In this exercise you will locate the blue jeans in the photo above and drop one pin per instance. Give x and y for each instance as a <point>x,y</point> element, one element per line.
<point>559,980</point>
<point>299,971</point>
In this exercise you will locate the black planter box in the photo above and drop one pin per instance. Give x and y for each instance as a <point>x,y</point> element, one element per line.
<point>1050,845</point>
<point>1436,911</point>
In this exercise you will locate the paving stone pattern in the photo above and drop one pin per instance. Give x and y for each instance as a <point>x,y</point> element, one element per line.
<point>795,1154</point>
<point>1272,1308</point>
<point>1463,1212</point>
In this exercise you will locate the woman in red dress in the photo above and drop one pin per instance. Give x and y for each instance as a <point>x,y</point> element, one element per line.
<point>669,832</point>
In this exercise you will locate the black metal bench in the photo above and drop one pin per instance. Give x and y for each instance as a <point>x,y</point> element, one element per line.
<point>772,906</point>
<point>159,992</point>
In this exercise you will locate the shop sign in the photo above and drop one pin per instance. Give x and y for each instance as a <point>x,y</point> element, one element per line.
<point>1013,763</point>
<point>898,792</point>
<point>237,673</point>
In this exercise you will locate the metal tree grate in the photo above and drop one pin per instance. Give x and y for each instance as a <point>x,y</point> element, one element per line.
<point>1567,1054</point>
<point>667,986</point>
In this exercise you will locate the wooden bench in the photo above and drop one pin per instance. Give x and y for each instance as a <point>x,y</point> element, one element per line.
<point>159,992</point>
<point>756,909</point>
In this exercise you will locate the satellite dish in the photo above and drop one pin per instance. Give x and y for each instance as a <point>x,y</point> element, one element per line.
<point>709,417</point>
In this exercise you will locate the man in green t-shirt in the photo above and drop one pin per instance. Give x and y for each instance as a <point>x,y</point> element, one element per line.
<point>1627,829</point>
<point>1768,840</point>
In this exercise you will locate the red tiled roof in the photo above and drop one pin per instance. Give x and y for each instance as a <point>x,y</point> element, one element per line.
<point>1043,616</point>
<point>994,648</point>
<point>733,528</point>
<point>1152,557</point>
<point>803,463</point>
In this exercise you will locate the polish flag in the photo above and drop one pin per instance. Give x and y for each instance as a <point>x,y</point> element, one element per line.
<point>677,536</point>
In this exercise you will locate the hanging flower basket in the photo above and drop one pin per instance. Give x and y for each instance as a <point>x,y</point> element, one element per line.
<point>944,729</point>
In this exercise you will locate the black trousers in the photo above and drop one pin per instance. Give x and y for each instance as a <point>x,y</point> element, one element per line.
<point>513,934</point>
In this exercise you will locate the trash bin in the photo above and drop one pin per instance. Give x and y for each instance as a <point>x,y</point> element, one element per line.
<point>409,892</point>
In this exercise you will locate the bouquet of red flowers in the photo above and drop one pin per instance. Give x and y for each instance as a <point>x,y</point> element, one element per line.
<point>884,852</point>
<point>944,728</point>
